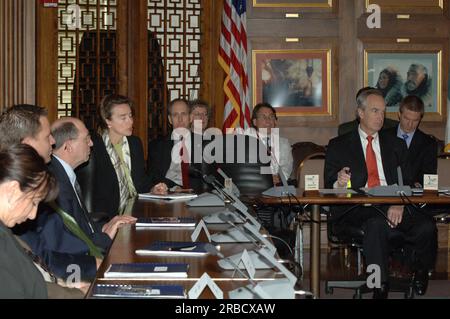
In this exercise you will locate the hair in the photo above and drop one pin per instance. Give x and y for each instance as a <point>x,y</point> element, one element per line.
<point>64,132</point>
<point>260,106</point>
<point>361,98</point>
<point>21,163</point>
<point>199,103</point>
<point>173,102</point>
<point>19,122</point>
<point>419,67</point>
<point>412,103</point>
<point>391,74</point>
<point>107,105</point>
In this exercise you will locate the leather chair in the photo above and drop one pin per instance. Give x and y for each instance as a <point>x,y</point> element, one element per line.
<point>85,177</point>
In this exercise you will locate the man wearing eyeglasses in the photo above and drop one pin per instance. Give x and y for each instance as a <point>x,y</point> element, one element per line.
<point>199,116</point>
<point>264,119</point>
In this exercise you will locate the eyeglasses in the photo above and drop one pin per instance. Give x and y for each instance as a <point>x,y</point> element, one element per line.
<point>202,115</point>
<point>271,117</point>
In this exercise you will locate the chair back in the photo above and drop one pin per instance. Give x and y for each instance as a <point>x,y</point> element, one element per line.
<point>312,165</point>
<point>443,171</point>
<point>85,177</point>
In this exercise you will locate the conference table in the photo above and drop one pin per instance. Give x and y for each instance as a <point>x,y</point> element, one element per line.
<point>317,199</point>
<point>131,238</point>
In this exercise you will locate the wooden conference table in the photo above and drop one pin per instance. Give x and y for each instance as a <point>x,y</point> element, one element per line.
<point>130,238</point>
<point>316,199</point>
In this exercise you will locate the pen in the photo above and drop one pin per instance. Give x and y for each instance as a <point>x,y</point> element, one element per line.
<point>349,183</point>
<point>181,248</point>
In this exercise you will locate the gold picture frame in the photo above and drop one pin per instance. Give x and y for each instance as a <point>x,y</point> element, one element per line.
<point>293,4</point>
<point>405,6</point>
<point>297,82</point>
<point>401,71</point>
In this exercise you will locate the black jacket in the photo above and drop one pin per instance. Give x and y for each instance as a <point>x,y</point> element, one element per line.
<point>160,158</point>
<point>346,151</point>
<point>422,155</point>
<point>105,190</point>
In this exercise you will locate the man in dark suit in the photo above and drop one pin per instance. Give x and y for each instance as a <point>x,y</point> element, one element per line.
<point>367,157</point>
<point>59,237</point>
<point>167,157</point>
<point>422,149</point>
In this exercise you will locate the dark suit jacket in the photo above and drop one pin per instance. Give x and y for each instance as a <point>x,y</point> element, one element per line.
<point>19,277</point>
<point>54,243</point>
<point>422,155</point>
<point>106,193</point>
<point>160,158</point>
<point>346,151</point>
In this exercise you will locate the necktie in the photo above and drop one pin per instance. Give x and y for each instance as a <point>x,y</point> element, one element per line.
<point>405,138</point>
<point>184,165</point>
<point>371,162</point>
<point>83,207</point>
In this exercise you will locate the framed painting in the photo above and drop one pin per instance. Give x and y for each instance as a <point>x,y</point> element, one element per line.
<point>296,82</point>
<point>292,4</point>
<point>401,73</point>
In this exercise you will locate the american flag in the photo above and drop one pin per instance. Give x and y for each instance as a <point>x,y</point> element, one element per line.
<point>233,59</point>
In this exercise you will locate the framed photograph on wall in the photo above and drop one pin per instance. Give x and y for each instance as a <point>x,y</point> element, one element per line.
<point>401,73</point>
<point>293,3</point>
<point>296,82</point>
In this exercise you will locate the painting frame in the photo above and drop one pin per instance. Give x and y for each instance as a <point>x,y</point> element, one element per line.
<point>285,4</point>
<point>317,104</point>
<point>404,63</point>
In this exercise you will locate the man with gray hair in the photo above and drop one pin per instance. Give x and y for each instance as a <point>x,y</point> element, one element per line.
<point>69,236</point>
<point>368,157</point>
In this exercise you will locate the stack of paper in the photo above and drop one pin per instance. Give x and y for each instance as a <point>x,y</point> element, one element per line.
<point>138,291</point>
<point>173,248</point>
<point>147,270</point>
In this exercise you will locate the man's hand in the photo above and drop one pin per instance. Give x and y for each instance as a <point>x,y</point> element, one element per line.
<point>114,224</point>
<point>395,215</point>
<point>344,176</point>
<point>160,189</point>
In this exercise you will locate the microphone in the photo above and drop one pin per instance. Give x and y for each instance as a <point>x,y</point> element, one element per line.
<point>391,190</point>
<point>230,221</point>
<point>212,250</point>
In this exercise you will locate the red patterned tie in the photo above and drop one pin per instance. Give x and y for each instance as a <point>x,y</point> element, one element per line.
<point>184,165</point>
<point>371,162</point>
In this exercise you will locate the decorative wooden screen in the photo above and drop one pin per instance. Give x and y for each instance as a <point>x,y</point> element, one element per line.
<point>175,32</point>
<point>86,56</point>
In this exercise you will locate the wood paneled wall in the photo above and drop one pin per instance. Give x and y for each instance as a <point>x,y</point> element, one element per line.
<point>17,52</point>
<point>344,26</point>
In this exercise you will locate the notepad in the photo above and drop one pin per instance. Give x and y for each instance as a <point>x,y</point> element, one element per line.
<point>147,270</point>
<point>138,291</point>
<point>173,248</point>
<point>170,196</point>
<point>165,222</point>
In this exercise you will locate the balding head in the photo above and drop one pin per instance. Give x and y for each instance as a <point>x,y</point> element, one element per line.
<point>73,141</point>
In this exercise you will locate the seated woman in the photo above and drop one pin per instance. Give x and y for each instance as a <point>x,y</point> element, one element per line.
<point>264,119</point>
<point>24,182</point>
<point>119,160</point>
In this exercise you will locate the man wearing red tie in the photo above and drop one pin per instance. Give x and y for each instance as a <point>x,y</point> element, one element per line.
<point>367,157</point>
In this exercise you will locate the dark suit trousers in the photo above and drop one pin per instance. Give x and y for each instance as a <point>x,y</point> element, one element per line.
<point>418,231</point>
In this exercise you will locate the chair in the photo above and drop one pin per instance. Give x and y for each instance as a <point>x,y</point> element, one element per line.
<point>85,177</point>
<point>350,238</point>
<point>313,164</point>
<point>302,150</point>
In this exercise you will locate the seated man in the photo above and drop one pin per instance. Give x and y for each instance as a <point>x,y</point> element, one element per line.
<point>176,173</point>
<point>353,125</point>
<point>368,158</point>
<point>69,236</point>
<point>422,149</point>
<point>264,119</point>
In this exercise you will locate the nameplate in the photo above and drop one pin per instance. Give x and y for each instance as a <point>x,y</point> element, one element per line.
<point>430,182</point>
<point>201,225</point>
<point>200,285</point>
<point>311,182</point>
